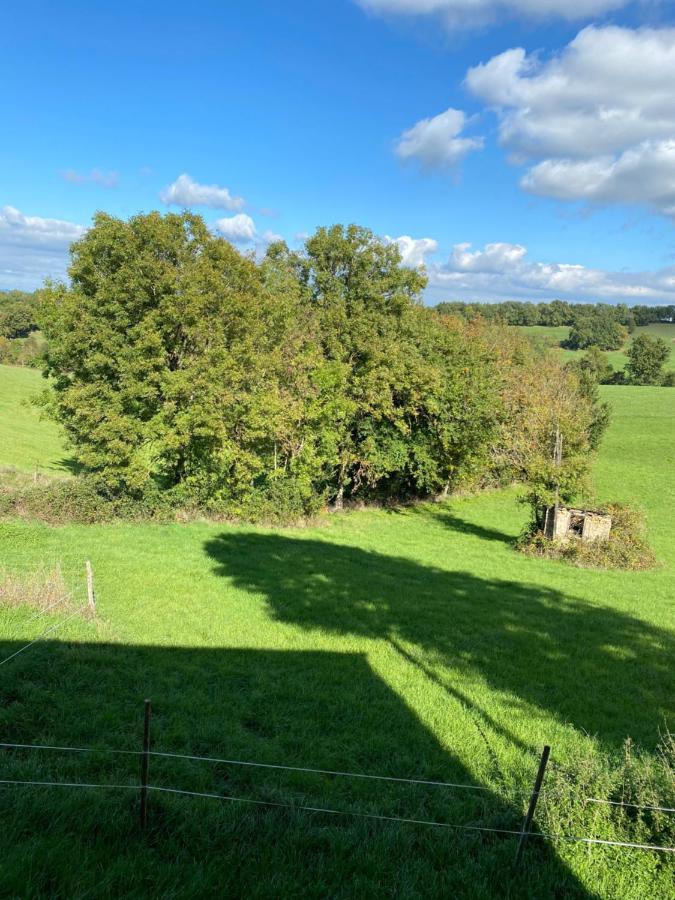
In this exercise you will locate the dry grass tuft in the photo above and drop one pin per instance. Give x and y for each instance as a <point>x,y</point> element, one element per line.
<point>41,590</point>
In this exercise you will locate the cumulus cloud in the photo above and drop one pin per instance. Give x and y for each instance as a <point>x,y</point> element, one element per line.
<point>96,176</point>
<point>436,142</point>
<point>184,191</point>
<point>501,271</point>
<point>470,13</point>
<point>239,229</point>
<point>413,250</point>
<point>596,122</point>
<point>33,248</point>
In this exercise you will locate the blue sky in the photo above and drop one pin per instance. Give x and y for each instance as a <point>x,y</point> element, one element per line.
<point>533,173</point>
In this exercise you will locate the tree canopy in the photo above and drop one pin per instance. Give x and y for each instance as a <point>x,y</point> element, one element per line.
<point>646,357</point>
<point>181,366</point>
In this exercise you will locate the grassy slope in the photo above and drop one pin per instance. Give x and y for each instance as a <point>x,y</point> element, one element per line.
<point>412,643</point>
<point>27,442</point>
<point>552,337</point>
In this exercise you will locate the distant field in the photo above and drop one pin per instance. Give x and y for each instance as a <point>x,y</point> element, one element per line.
<point>414,642</point>
<point>28,442</point>
<point>553,336</point>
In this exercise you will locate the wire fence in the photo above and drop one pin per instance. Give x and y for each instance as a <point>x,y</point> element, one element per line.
<point>522,834</point>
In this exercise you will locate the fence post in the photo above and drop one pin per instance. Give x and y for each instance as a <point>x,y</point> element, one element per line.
<point>145,766</point>
<point>91,596</point>
<point>527,822</point>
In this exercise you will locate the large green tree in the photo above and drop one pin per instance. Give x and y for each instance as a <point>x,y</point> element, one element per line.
<point>646,356</point>
<point>157,352</point>
<point>413,400</point>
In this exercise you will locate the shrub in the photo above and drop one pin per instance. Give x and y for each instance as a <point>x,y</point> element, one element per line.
<point>78,500</point>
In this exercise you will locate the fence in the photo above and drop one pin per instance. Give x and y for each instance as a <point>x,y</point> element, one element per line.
<point>145,788</point>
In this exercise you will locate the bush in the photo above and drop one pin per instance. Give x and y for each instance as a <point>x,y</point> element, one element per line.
<point>626,548</point>
<point>78,500</point>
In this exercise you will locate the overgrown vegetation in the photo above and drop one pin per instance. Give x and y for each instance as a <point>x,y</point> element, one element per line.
<point>44,590</point>
<point>265,390</point>
<point>626,548</point>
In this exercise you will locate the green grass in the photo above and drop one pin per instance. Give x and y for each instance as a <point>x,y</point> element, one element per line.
<point>28,442</point>
<point>411,643</point>
<point>554,336</point>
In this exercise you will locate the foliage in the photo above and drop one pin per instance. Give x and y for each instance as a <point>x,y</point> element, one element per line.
<point>646,357</point>
<point>18,314</point>
<point>540,399</point>
<point>315,376</point>
<point>598,330</point>
<point>558,312</point>
<point>595,365</point>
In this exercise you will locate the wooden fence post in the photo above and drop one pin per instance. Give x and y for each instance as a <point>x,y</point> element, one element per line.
<point>91,596</point>
<point>527,822</point>
<point>145,766</point>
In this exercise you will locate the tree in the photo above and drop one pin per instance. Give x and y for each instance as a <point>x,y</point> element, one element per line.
<point>593,364</point>
<point>646,357</point>
<point>599,329</point>
<point>180,366</point>
<point>157,354</point>
<point>414,404</point>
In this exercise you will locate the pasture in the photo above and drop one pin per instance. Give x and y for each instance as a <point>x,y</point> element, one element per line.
<point>28,441</point>
<point>411,642</point>
<point>554,336</point>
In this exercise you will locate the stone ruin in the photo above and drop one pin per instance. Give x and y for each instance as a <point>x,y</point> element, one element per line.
<point>563,524</point>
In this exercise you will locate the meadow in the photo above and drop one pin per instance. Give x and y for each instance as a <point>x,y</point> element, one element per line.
<point>410,643</point>
<point>553,336</point>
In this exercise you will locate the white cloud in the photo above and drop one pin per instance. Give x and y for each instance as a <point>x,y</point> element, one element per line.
<point>597,120</point>
<point>239,229</point>
<point>502,271</point>
<point>413,250</point>
<point>186,192</point>
<point>471,13</point>
<point>32,248</point>
<point>103,179</point>
<point>436,142</point>
<point>270,237</point>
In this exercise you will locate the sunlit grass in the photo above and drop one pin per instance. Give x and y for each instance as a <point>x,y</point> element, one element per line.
<point>414,642</point>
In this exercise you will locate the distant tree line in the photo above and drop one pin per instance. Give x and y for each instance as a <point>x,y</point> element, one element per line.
<point>557,312</point>
<point>183,369</point>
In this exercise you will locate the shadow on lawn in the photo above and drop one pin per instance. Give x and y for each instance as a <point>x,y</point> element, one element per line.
<point>605,672</point>
<point>318,709</point>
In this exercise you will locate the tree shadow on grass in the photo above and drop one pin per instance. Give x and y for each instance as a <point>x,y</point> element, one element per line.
<point>445,515</point>
<point>606,673</point>
<point>319,709</point>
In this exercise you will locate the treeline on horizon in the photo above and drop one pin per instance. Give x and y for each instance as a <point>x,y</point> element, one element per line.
<point>185,370</point>
<point>554,313</point>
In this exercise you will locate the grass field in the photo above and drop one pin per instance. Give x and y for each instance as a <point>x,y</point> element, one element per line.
<point>553,337</point>
<point>410,643</point>
<point>28,442</point>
